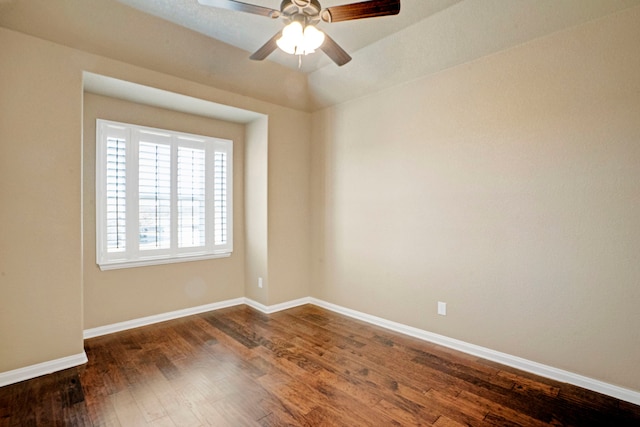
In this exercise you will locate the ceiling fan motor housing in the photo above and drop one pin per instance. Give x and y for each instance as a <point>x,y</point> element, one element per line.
<point>309,8</point>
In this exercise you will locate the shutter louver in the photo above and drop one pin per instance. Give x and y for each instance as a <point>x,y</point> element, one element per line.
<point>116,209</point>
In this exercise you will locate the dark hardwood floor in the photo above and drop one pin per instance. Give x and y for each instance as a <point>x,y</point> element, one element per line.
<point>300,367</point>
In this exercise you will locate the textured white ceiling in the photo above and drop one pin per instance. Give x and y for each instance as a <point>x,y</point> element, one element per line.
<point>249,32</point>
<point>427,37</point>
<point>473,28</point>
<point>464,32</point>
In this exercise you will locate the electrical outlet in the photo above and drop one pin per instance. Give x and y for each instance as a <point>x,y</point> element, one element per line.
<point>260,282</point>
<point>442,308</point>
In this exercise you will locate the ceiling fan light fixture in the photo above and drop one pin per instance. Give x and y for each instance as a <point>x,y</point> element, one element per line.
<point>292,37</point>
<point>298,41</point>
<point>313,38</point>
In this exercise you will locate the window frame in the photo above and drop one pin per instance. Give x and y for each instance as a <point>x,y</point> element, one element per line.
<point>133,255</point>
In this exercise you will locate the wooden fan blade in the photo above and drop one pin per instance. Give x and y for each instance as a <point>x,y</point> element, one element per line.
<point>241,7</point>
<point>334,51</point>
<point>267,48</point>
<point>365,9</point>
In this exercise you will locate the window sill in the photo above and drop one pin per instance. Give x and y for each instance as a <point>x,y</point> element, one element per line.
<point>116,265</point>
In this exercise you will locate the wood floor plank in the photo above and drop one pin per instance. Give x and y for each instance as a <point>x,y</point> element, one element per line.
<point>447,422</point>
<point>496,411</point>
<point>103,414</point>
<point>127,411</point>
<point>408,412</point>
<point>455,408</point>
<point>177,409</point>
<point>148,403</point>
<point>300,367</point>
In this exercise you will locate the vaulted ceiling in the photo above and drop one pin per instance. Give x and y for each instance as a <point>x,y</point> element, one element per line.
<point>428,36</point>
<point>249,32</point>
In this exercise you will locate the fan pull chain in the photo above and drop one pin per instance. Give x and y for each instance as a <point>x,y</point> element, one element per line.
<point>299,62</point>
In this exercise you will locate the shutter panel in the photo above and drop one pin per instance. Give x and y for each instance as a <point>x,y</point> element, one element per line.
<point>115,183</point>
<point>220,198</point>
<point>154,196</point>
<point>191,197</point>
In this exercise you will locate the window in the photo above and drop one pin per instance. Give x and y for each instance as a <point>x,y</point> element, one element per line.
<point>161,196</point>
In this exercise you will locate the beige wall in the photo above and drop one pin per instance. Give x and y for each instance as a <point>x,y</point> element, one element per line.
<point>508,188</point>
<point>116,295</point>
<point>256,204</point>
<point>41,269</point>
<point>40,163</point>
<point>289,207</point>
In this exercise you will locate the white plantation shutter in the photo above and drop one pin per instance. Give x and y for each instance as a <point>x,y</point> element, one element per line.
<point>191,197</point>
<point>154,196</point>
<point>220,197</point>
<point>116,209</point>
<point>161,196</point>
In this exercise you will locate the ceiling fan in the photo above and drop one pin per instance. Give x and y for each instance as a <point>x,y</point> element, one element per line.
<point>300,36</point>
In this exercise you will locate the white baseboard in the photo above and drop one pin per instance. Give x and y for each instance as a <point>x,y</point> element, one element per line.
<point>486,353</point>
<point>268,309</point>
<point>157,318</point>
<point>621,393</point>
<point>44,368</point>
